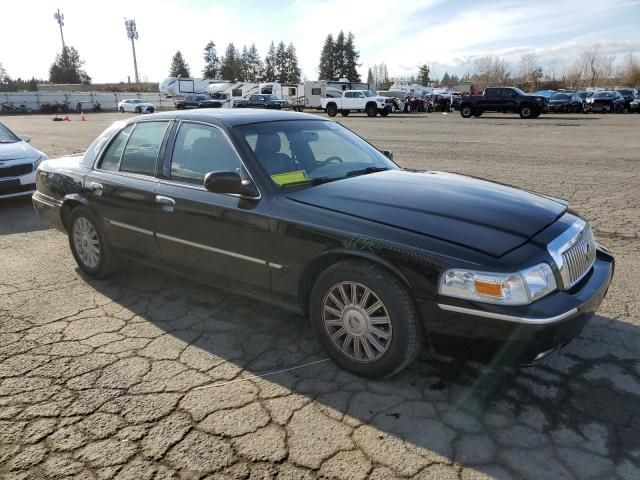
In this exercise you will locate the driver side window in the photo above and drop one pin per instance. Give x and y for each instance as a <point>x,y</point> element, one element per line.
<point>200,149</point>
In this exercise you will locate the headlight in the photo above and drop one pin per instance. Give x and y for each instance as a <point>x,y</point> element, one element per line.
<point>520,288</point>
<point>40,159</point>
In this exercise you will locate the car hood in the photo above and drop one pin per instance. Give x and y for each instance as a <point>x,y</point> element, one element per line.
<point>477,214</point>
<point>17,151</point>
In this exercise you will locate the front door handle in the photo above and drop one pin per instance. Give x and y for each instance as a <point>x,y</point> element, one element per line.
<point>96,188</point>
<point>167,203</point>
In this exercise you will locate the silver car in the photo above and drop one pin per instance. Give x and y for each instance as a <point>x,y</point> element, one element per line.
<point>18,164</point>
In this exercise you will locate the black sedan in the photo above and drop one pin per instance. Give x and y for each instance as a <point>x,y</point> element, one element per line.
<point>298,211</point>
<point>262,101</point>
<point>565,102</point>
<point>605,102</point>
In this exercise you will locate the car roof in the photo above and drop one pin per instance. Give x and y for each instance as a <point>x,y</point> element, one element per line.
<point>230,117</point>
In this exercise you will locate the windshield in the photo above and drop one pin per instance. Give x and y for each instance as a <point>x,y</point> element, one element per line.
<point>560,96</point>
<point>202,97</point>
<point>603,95</point>
<point>7,136</point>
<point>310,151</point>
<point>625,92</point>
<point>369,93</point>
<point>518,91</point>
<point>136,101</point>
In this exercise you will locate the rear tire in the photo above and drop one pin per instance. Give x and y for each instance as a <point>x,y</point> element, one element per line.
<point>89,245</point>
<point>466,111</point>
<point>371,110</point>
<point>365,340</point>
<point>332,110</point>
<point>345,113</point>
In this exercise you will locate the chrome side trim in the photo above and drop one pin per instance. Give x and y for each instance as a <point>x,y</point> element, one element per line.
<point>128,227</point>
<point>216,250</point>
<point>509,318</point>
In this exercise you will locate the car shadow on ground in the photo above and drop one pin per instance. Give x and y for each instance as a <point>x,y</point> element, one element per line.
<point>18,216</point>
<point>576,414</point>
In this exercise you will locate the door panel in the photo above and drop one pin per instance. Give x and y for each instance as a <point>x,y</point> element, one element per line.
<point>221,236</point>
<point>122,190</point>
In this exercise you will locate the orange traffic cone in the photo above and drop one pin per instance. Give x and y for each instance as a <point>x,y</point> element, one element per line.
<point>66,118</point>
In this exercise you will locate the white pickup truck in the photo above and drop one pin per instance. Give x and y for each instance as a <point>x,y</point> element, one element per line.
<point>359,101</point>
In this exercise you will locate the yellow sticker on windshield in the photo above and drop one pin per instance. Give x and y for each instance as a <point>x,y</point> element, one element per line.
<point>290,177</point>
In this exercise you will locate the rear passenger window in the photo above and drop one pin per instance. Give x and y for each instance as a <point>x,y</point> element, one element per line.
<point>141,152</point>
<point>492,93</point>
<point>111,159</point>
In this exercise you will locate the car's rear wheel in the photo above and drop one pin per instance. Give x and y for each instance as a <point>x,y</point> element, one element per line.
<point>365,319</point>
<point>332,110</point>
<point>89,246</point>
<point>345,113</point>
<point>371,110</point>
<point>466,111</point>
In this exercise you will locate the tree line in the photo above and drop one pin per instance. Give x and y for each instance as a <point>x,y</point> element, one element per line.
<point>339,58</point>
<point>279,65</point>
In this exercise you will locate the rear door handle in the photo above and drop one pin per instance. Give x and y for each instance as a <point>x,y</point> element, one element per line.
<point>96,188</point>
<point>167,203</point>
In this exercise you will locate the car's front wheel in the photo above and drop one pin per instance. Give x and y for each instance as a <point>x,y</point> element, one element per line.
<point>89,246</point>
<point>332,110</point>
<point>526,111</point>
<point>365,319</point>
<point>121,109</point>
<point>466,111</point>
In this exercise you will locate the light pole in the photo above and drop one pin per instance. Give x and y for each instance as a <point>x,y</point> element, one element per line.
<point>132,34</point>
<point>59,17</point>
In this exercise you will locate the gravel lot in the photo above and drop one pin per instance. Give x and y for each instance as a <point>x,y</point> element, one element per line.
<point>146,375</point>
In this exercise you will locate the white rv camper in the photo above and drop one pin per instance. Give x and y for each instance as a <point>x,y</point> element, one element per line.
<point>291,92</point>
<point>179,87</point>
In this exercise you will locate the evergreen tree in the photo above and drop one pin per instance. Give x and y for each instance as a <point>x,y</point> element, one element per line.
<point>243,65</point>
<point>423,75</point>
<point>269,64</point>
<point>67,68</point>
<point>326,69</point>
<point>339,64</point>
<point>230,63</point>
<point>281,63</point>
<point>351,56</point>
<point>179,67</point>
<point>211,61</point>
<point>446,80</point>
<point>254,64</point>
<point>293,70</point>
<point>370,80</point>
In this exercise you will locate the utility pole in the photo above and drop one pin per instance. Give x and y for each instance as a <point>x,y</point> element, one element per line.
<point>59,17</point>
<point>132,34</point>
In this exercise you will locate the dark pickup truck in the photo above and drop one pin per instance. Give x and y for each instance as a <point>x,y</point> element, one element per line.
<point>198,101</point>
<point>262,101</point>
<point>502,99</point>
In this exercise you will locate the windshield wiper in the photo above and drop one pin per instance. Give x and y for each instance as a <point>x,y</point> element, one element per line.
<point>364,171</point>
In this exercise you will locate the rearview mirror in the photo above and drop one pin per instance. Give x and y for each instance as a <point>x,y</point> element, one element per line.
<point>229,182</point>
<point>25,138</point>
<point>387,153</point>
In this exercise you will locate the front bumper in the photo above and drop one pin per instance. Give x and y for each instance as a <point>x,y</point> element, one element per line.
<point>17,186</point>
<point>525,333</point>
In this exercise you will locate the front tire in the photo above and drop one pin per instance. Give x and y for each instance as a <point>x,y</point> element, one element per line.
<point>365,319</point>
<point>526,111</point>
<point>371,110</point>
<point>89,246</point>
<point>121,109</point>
<point>332,110</point>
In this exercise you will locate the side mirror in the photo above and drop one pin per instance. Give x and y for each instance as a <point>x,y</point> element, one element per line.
<point>387,153</point>
<point>229,182</point>
<point>25,138</point>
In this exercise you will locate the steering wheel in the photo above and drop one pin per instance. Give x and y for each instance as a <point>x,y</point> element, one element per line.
<point>331,159</point>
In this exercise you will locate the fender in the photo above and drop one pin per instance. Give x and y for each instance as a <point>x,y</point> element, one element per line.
<point>69,202</point>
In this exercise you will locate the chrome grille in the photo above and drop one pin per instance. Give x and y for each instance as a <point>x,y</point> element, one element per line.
<point>574,253</point>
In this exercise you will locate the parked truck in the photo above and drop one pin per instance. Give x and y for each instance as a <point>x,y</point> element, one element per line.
<point>358,101</point>
<point>502,99</point>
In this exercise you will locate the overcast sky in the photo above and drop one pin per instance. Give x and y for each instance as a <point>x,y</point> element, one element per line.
<point>447,34</point>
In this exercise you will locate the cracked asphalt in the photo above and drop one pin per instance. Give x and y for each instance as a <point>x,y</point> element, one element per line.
<point>149,376</point>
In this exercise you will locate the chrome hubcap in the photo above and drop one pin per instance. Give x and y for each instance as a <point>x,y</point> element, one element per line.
<point>86,242</point>
<point>356,321</point>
